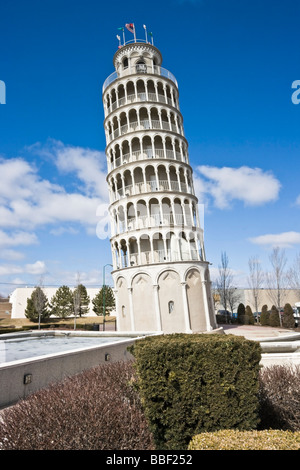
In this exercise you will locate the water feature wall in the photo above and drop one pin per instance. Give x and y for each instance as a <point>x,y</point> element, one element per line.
<point>20,378</point>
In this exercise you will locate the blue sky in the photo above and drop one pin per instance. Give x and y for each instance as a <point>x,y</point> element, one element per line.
<point>235,62</point>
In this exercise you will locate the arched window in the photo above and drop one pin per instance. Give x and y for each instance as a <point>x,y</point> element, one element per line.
<point>171,306</point>
<point>141,67</point>
<point>125,63</point>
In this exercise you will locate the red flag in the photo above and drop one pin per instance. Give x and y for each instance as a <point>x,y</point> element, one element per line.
<point>130,27</point>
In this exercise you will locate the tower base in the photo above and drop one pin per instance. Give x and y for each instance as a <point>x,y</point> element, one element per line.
<point>165,297</point>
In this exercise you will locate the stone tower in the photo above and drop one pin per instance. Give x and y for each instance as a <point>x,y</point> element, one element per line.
<point>161,277</point>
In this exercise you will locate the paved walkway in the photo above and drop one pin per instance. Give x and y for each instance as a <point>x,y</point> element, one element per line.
<point>257,332</point>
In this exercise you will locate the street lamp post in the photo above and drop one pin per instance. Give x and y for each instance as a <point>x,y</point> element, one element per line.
<point>103,294</point>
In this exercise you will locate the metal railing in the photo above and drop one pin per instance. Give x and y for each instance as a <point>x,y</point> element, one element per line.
<point>154,69</point>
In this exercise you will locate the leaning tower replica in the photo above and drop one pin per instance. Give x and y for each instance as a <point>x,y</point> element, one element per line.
<point>161,277</point>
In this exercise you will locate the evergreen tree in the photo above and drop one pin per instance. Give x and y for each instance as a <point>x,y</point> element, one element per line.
<point>109,301</point>
<point>249,315</point>
<point>81,301</point>
<point>274,319</point>
<point>241,314</point>
<point>62,302</point>
<point>37,306</point>
<point>264,316</point>
<point>288,320</point>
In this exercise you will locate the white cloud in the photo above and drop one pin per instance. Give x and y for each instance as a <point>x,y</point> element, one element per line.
<point>28,201</point>
<point>282,240</point>
<point>17,238</point>
<point>252,186</point>
<point>36,268</point>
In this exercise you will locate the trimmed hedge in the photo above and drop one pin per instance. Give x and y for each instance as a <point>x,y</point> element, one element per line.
<point>195,383</point>
<point>246,440</point>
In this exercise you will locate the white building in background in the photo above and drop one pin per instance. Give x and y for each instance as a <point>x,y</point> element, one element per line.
<point>19,296</point>
<point>160,272</point>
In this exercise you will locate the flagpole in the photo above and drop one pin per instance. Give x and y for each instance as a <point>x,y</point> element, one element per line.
<point>145,33</point>
<point>134,33</point>
<point>123,37</point>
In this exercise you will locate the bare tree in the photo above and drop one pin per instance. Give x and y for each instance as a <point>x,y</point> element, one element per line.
<point>224,281</point>
<point>233,297</point>
<point>277,278</point>
<point>255,281</point>
<point>293,275</point>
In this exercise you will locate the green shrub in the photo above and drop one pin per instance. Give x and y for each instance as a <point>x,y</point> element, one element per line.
<point>265,316</point>
<point>274,319</point>
<point>194,383</point>
<point>288,320</point>
<point>246,440</point>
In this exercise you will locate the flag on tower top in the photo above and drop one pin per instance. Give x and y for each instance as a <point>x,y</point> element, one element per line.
<point>130,27</point>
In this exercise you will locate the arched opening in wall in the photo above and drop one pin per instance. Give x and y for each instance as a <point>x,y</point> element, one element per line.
<point>125,63</point>
<point>117,156</point>
<point>136,148</point>
<point>182,180</point>
<point>184,247</point>
<point>141,90</point>
<point>171,302</point>
<point>144,118</point>
<point>187,212</point>
<point>151,90</point>
<point>172,247</point>
<point>177,150</point>
<point>127,182</point>
<point>138,179</point>
<point>113,99</point>
<point>123,246</point>
<point>159,254</point>
<point>130,92</point>
<point>125,151</point>
<point>151,179</point>
<point>179,220</point>
<point>147,147</point>
<point>154,211</point>
<point>173,179</point>
<point>123,123</point>
<point>121,217</point>
<point>195,300</point>
<point>143,303</point>
<point>154,118</point>
<point>162,178</point>
<point>145,248</point>
<point>115,126</point>
<point>142,215</point>
<point>158,147</point>
<point>141,67</point>
<point>117,256</point>
<point>133,251</point>
<point>131,221</point>
<point>119,186</point>
<point>194,214</point>
<point>168,219</point>
<point>193,246</point>
<point>121,95</point>
<point>165,120</point>
<point>133,120</point>
<point>161,93</point>
<point>169,148</point>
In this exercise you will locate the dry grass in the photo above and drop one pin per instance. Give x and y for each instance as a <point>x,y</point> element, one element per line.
<point>20,322</point>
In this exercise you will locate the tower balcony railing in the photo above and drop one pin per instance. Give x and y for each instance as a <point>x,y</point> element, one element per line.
<point>155,220</point>
<point>144,124</point>
<point>144,155</point>
<point>149,187</point>
<point>162,256</point>
<point>148,69</point>
<point>139,97</point>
